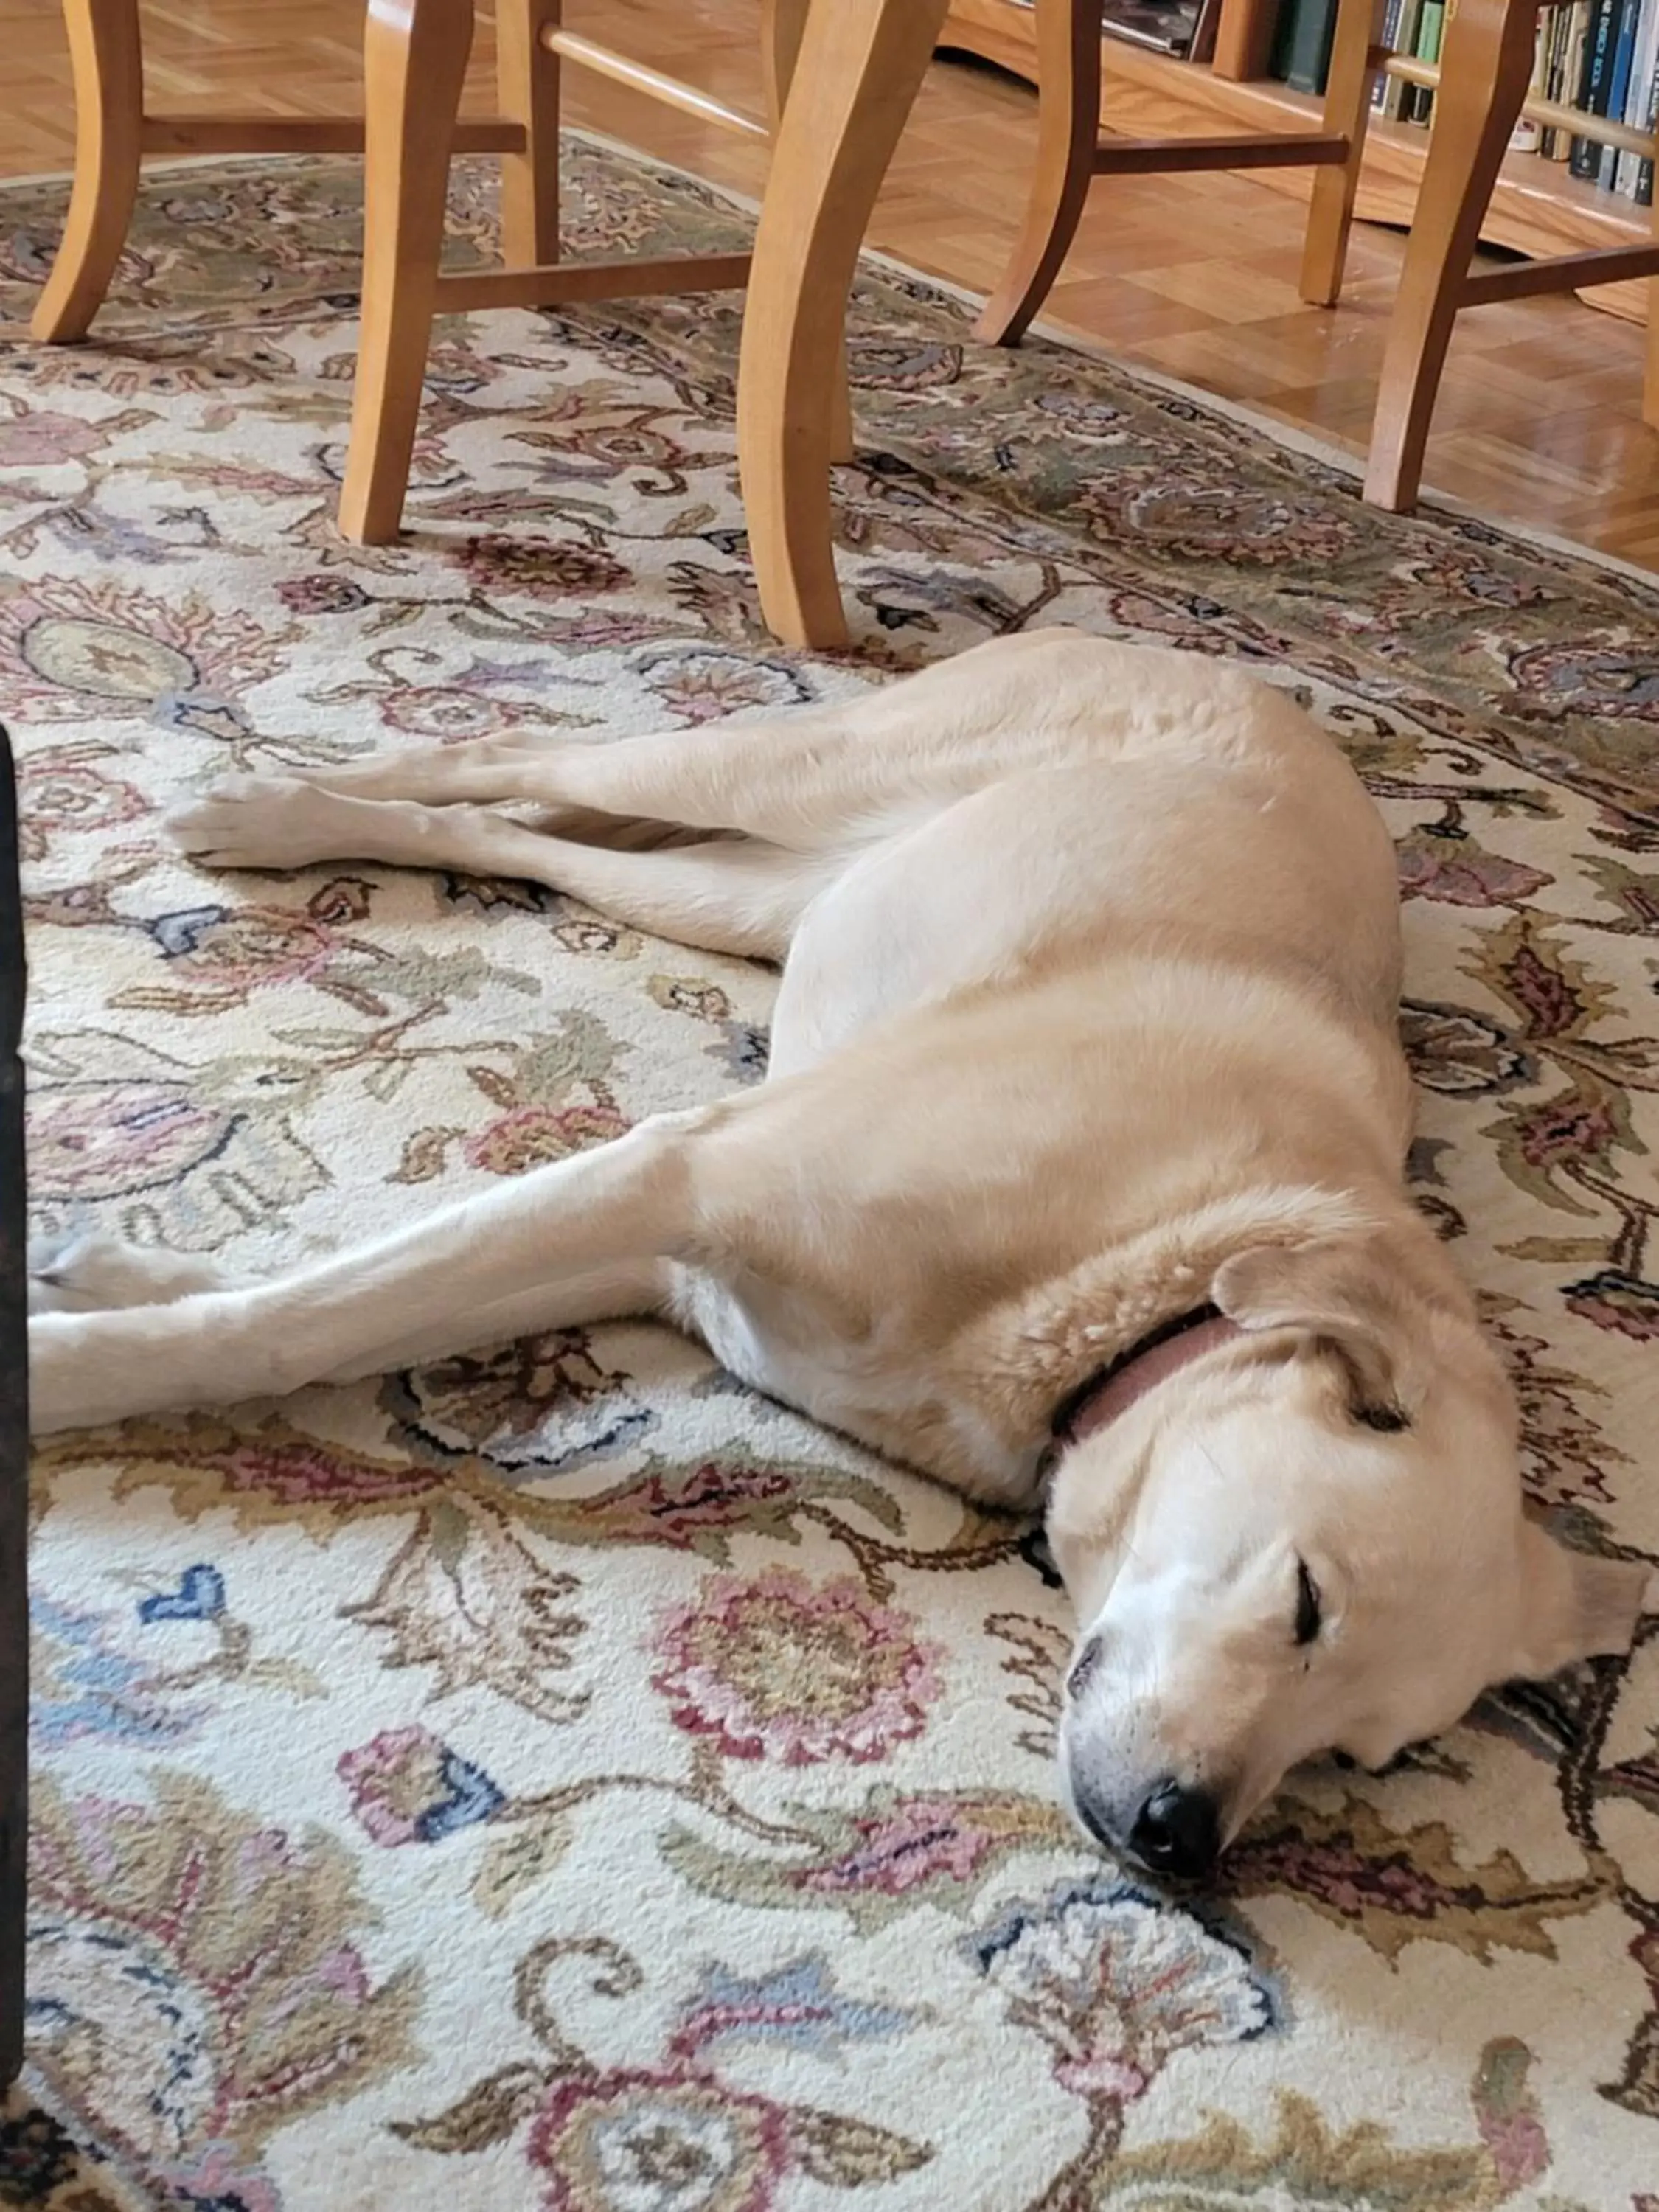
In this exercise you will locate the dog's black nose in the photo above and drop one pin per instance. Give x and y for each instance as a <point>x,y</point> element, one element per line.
<point>1178,1831</point>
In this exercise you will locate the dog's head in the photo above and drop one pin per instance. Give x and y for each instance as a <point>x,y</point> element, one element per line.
<point>1311,1541</point>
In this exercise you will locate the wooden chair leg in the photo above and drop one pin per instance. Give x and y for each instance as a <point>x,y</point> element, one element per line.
<point>527,80</point>
<point>1485,67</point>
<point>861,64</point>
<point>1650,380</point>
<point>415,54</point>
<point>108,60</point>
<point>14,1449</point>
<point>1347,113</point>
<point>782,23</point>
<point>1068,130</point>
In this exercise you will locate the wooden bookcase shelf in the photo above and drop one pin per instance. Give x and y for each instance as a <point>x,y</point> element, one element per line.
<point>1537,210</point>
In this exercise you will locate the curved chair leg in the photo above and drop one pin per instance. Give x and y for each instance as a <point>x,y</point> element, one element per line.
<point>1650,380</point>
<point>861,64</point>
<point>527,80</point>
<point>415,55</point>
<point>1068,131</point>
<point>1347,111</point>
<point>1485,67</point>
<point>108,59</point>
<point>782,23</point>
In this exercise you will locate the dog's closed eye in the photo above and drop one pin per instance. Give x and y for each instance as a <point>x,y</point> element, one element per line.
<point>1087,1660</point>
<point>1388,1420</point>
<point>1308,1616</point>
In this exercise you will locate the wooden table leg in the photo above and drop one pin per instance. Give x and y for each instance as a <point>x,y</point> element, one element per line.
<point>14,1451</point>
<point>1485,67</point>
<point>415,54</point>
<point>108,60</point>
<point>860,66</point>
<point>1068,131</point>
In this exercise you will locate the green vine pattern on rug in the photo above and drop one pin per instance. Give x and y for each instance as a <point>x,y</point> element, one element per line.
<point>553,1777</point>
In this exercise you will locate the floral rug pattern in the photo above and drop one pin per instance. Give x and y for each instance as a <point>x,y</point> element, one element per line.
<point>556,1777</point>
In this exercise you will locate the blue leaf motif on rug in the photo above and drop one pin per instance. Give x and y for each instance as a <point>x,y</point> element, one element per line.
<point>797,2004</point>
<point>179,933</point>
<point>200,1596</point>
<point>87,1690</point>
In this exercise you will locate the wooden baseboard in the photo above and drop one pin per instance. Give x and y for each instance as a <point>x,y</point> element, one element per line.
<point>1537,210</point>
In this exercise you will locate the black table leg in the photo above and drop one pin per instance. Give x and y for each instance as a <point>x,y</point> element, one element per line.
<point>13,1445</point>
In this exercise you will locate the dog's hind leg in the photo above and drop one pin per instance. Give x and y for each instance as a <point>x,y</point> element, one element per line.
<point>584,1239</point>
<point>812,779</point>
<point>805,780</point>
<point>796,781</point>
<point>725,895</point>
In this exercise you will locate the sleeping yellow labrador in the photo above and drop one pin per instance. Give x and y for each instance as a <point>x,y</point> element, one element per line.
<point>1076,1180</point>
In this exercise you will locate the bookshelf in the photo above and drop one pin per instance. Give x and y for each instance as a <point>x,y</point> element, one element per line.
<point>1537,210</point>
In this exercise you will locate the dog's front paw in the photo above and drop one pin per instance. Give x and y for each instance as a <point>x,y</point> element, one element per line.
<point>91,1274</point>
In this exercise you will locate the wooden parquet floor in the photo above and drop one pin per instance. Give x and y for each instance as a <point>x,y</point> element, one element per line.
<point>1538,420</point>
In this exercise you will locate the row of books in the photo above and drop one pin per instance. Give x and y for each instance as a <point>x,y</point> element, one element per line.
<point>1600,57</point>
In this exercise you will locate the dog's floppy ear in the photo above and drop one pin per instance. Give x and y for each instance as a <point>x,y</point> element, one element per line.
<point>1572,1605</point>
<point>1362,1292</point>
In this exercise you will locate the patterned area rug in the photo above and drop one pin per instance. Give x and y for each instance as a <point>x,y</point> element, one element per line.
<point>557,1777</point>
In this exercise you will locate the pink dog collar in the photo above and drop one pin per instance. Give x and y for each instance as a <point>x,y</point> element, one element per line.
<point>1152,1360</point>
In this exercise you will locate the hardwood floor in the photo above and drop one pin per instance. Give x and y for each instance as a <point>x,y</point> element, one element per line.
<point>1540,417</point>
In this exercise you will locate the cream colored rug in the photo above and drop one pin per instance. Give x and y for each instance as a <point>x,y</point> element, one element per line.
<point>557,1777</point>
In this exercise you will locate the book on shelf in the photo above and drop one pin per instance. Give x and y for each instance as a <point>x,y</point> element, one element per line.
<point>1418,104</point>
<point>1595,83</point>
<point>1403,41</point>
<point>1624,53</point>
<point>1638,108</point>
<point>1391,40</point>
<point>1301,43</point>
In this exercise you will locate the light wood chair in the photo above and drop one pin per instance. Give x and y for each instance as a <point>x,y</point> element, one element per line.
<point>1072,153</point>
<point>1482,84</point>
<point>414,58</point>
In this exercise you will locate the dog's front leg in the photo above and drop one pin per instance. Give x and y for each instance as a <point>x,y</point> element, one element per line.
<point>583,1239</point>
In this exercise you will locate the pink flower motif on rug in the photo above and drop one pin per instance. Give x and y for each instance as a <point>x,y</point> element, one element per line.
<point>1117,1982</point>
<point>775,1668</point>
<point>529,1136</point>
<point>1437,864</point>
<point>923,1839</point>
<point>107,1140</point>
<point>408,1787</point>
<point>1618,1303</point>
<point>57,792</point>
<point>658,2140</point>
